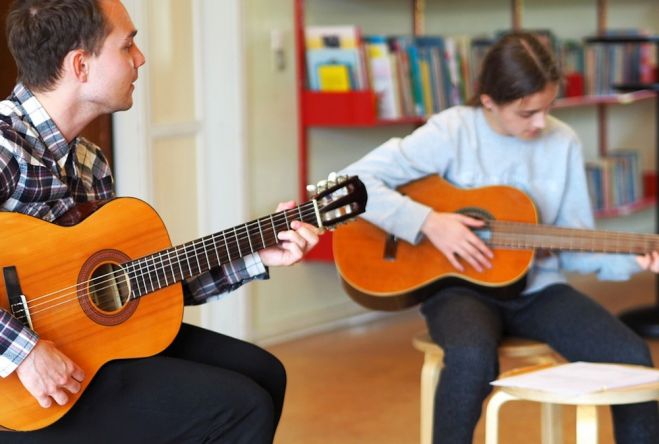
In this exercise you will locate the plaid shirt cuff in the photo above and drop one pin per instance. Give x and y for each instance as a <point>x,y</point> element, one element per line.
<point>16,342</point>
<point>220,280</point>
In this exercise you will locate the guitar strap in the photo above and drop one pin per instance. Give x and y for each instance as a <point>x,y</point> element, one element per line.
<point>15,295</point>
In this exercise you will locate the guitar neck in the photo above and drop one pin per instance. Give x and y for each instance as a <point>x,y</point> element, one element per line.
<point>517,235</point>
<point>166,267</point>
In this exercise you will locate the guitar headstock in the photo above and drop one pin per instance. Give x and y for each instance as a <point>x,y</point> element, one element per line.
<point>339,198</point>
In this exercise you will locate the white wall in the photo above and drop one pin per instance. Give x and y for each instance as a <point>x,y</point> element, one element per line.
<point>306,297</point>
<point>182,145</point>
<point>242,127</point>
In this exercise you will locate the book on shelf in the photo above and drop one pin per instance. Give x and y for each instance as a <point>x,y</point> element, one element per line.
<point>334,77</point>
<point>406,44</point>
<point>431,52</point>
<point>335,60</point>
<point>325,66</point>
<point>399,55</point>
<point>615,180</point>
<point>416,76</point>
<point>611,63</point>
<point>383,76</point>
<point>342,36</point>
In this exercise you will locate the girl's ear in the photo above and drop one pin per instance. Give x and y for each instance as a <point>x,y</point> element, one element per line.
<point>487,102</point>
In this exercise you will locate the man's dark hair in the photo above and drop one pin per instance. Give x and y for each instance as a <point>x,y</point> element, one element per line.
<point>517,66</point>
<point>40,33</point>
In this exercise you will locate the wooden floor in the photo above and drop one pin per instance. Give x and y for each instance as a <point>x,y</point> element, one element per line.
<point>361,385</point>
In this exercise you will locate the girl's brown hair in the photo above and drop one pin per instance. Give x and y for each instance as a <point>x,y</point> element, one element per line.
<point>517,66</point>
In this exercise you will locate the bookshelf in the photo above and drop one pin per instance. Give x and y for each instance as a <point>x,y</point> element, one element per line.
<point>356,109</point>
<point>644,320</point>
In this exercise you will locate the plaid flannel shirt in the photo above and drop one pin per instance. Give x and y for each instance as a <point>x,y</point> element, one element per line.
<point>42,175</point>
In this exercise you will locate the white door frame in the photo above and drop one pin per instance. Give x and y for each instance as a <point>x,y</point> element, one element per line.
<point>222,173</point>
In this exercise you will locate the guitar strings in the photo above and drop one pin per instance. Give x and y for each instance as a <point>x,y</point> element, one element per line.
<point>196,246</point>
<point>146,266</point>
<point>139,268</point>
<point>526,235</point>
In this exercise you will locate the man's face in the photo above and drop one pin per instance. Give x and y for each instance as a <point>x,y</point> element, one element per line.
<point>524,118</point>
<point>113,70</point>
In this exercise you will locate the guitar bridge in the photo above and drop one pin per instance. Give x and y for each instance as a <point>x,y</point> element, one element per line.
<point>17,300</point>
<point>390,248</point>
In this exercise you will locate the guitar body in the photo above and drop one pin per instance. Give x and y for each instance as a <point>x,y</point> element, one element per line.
<point>49,258</point>
<point>415,271</point>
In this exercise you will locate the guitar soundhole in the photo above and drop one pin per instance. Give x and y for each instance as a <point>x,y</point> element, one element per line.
<point>476,213</point>
<point>109,288</point>
<point>104,288</point>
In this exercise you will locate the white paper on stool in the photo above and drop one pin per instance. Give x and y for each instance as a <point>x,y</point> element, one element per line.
<point>577,378</point>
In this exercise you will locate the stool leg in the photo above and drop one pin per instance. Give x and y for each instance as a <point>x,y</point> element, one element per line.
<point>586,424</point>
<point>432,367</point>
<point>492,415</point>
<point>552,423</point>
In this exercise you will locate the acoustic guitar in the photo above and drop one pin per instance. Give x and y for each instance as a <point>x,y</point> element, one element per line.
<point>382,272</point>
<point>82,283</point>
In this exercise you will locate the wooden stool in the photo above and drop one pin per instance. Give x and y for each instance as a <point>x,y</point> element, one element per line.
<point>586,406</point>
<point>533,351</point>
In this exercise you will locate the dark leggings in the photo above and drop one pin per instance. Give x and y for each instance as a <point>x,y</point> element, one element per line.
<point>469,325</point>
<point>205,388</point>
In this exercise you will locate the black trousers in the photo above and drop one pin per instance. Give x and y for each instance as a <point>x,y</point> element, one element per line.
<point>469,325</point>
<point>204,388</point>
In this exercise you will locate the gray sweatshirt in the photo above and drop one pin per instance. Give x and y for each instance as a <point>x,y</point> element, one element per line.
<point>459,145</point>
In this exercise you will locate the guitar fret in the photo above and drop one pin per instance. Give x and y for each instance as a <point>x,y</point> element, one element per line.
<point>288,226</point>
<point>249,239</point>
<point>258,222</point>
<point>148,274</point>
<point>208,261</point>
<point>226,246</point>
<point>195,255</point>
<point>135,277</point>
<point>205,256</point>
<point>217,253</point>
<point>131,278</point>
<point>274,229</point>
<point>171,264</point>
<point>155,270</point>
<point>164,273</point>
<point>142,277</point>
<point>235,235</point>
<point>187,258</point>
<point>178,261</point>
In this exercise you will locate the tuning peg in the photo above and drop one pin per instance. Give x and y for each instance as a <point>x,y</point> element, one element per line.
<point>322,185</point>
<point>311,190</point>
<point>331,177</point>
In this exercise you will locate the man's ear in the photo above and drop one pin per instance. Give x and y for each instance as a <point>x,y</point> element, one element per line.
<point>77,62</point>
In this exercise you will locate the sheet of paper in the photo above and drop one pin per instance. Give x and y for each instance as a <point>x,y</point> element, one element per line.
<point>578,378</point>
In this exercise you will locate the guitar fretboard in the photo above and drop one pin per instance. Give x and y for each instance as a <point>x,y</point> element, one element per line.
<point>159,270</point>
<point>516,235</point>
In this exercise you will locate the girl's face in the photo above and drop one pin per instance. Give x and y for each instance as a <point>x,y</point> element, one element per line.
<point>524,118</point>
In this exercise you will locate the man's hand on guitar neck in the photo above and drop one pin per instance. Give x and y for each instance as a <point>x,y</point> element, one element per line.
<point>649,261</point>
<point>48,374</point>
<point>295,242</point>
<point>450,233</point>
